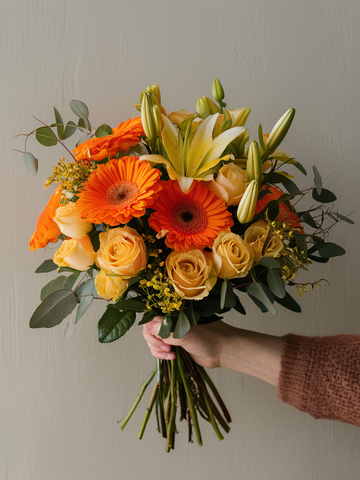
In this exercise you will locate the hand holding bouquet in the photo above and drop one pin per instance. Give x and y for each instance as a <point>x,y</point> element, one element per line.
<point>179,215</point>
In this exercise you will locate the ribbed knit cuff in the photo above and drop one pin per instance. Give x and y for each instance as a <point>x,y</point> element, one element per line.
<point>321,376</point>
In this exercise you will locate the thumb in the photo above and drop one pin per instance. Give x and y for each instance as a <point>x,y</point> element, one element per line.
<point>153,328</point>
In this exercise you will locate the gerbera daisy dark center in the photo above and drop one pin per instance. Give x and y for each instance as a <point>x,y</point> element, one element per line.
<point>188,216</point>
<point>122,193</point>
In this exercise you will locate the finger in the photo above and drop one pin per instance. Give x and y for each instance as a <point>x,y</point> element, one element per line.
<point>163,355</point>
<point>154,342</point>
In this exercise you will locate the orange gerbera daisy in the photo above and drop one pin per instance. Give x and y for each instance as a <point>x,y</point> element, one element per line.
<point>126,135</point>
<point>46,229</point>
<point>189,220</point>
<point>118,190</point>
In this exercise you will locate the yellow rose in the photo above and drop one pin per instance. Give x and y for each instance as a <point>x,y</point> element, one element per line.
<point>70,223</point>
<point>256,236</point>
<point>230,184</point>
<point>232,256</point>
<point>192,273</point>
<point>273,246</point>
<point>109,287</point>
<point>77,254</point>
<point>122,251</point>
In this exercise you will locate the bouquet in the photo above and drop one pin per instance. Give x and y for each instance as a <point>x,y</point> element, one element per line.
<point>179,215</point>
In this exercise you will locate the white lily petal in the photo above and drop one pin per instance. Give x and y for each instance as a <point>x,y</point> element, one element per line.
<point>219,144</point>
<point>185,183</point>
<point>212,163</point>
<point>201,143</point>
<point>154,159</point>
<point>169,136</point>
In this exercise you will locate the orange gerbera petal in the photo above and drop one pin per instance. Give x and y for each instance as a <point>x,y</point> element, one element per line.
<point>126,135</point>
<point>46,229</point>
<point>191,220</point>
<point>119,190</point>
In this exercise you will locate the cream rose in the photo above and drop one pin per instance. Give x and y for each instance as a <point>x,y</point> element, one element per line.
<point>230,184</point>
<point>109,287</point>
<point>70,223</point>
<point>192,273</point>
<point>122,251</point>
<point>232,256</point>
<point>256,236</point>
<point>273,246</point>
<point>77,254</point>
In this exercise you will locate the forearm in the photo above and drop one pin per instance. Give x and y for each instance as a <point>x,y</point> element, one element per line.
<point>253,353</point>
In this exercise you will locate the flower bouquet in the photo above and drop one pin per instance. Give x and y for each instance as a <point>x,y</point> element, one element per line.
<point>179,215</point>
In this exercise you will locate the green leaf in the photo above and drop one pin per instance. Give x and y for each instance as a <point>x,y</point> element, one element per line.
<point>342,217</point>
<point>103,131</point>
<point>289,303</point>
<point>276,283</point>
<point>273,210</point>
<point>182,325</point>
<point>309,219</point>
<point>46,267</point>
<point>165,328</point>
<point>84,123</point>
<point>52,311</point>
<point>46,136</point>
<point>59,124</point>
<point>114,324</point>
<point>79,108</point>
<point>297,165</point>
<point>224,289</point>
<point>317,180</point>
<point>85,295</point>
<point>94,238</point>
<point>59,283</point>
<point>147,317</point>
<point>70,129</point>
<point>130,304</point>
<point>262,293</point>
<point>31,162</point>
<point>239,307</point>
<point>314,258</point>
<point>269,262</point>
<point>325,197</point>
<point>328,250</point>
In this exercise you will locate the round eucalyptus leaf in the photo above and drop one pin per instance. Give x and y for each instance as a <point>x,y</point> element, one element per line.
<point>31,163</point>
<point>46,136</point>
<point>79,108</point>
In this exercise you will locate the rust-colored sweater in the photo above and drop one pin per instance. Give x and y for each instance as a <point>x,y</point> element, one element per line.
<point>321,376</point>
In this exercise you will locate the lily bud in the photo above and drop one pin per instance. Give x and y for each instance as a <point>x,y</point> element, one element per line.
<point>205,107</point>
<point>147,118</point>
<point>157,119</point>
<point>280,129</point>
<point>217,90</point>
<point>247,205</point>
<point>155,90</point>
<point>253,164</point>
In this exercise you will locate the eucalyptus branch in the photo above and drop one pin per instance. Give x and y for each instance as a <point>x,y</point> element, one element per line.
<point>61,143</point>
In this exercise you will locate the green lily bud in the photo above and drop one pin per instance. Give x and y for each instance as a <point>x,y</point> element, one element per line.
<point>157,119</point>
<point>217,90</point>
<point>147,118</point>
<point>156,97</point>
<point>280,129</point>
<point>247,205</point>
<point>253,164</point>
<point>205,107</point>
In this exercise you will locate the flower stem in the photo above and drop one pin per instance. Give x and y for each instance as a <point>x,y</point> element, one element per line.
<point>170,430</point>
<point>142,391</point>
<point>148,411</point>
<point>189,395</point>
<point>215,392</point>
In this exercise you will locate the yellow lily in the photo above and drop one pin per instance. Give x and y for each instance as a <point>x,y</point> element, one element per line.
<point>194,155</point>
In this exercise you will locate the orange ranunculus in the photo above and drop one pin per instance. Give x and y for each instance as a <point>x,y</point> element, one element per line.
<point>274,195</point>
<point>126,135</point>
<point>46,229</point>
<point>285,214</point>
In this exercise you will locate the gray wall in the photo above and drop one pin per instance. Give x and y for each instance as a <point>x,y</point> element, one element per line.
<point>61,391</point>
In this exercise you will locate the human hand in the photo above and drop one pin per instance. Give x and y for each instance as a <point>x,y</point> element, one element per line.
<point>204,342</point>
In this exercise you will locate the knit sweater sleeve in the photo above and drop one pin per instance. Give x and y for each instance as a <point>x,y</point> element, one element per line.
<point>321,376</point>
